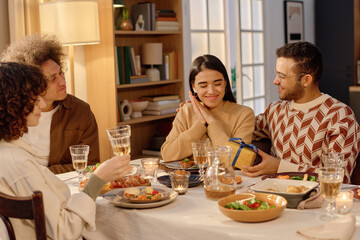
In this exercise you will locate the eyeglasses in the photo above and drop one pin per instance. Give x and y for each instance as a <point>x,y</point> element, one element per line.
<point>282,76</point>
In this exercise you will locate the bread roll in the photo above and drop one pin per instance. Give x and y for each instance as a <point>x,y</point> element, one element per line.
<point>132,192</point>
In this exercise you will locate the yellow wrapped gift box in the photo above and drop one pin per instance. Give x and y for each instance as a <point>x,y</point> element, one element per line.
<point>243,154</point>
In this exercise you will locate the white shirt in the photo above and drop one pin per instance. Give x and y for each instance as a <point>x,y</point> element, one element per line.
<point>39,137</point>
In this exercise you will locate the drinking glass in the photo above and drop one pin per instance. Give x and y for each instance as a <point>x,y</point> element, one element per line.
<point>330,182</point>
<point>149,168</point>
<point>79,156</point>
<point>199,149</point>
<point>333,159</point>
<point>120,139</point>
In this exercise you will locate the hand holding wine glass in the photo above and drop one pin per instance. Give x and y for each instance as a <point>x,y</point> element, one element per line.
<point>120,139</point>
<point>79,156</point>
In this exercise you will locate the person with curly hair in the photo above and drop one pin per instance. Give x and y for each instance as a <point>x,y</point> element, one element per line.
<point>22,95</point>
<point>66,120</point>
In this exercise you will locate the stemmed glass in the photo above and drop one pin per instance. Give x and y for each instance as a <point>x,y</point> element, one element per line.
<point>120,139</point>
<point>79,156</point>
<point>330,182</point>
<point>199,149</point>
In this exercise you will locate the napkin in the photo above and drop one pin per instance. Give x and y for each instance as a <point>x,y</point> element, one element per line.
<point>341,228</point>
<point>313,201</point>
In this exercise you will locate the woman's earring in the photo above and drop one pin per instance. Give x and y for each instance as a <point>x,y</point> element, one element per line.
<point>195,94</point>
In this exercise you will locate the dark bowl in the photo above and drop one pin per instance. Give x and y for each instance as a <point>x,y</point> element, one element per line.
<point>194,180</point>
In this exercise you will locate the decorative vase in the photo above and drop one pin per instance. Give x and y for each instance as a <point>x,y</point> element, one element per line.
<point>126,25</point>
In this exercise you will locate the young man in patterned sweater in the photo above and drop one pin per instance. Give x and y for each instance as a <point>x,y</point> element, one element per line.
<point>306,123</point>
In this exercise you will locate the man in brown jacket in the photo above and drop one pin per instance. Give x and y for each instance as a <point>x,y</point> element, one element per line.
<point>66,120</point>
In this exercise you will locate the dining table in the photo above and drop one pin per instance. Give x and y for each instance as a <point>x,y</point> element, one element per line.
<point>194,216</point>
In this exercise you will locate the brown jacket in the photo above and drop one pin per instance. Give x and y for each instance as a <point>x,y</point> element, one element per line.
<point>73,123</point>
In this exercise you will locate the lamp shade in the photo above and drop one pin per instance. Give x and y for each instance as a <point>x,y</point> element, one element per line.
<point>74,22</point>
<point>152,53</point>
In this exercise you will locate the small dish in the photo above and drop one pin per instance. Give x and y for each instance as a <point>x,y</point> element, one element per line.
<point>176,165</point>
<point>194,180</point>
<point>279,186</point>
<point>253,215</point>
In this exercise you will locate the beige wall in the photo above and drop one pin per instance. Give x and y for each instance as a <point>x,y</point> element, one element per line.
<point>4,25</point>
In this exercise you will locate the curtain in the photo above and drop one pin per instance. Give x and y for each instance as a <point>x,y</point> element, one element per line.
<point>23,18</point>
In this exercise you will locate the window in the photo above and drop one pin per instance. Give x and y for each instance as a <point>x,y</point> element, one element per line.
<point>209,34</point>
<point>252,55</point>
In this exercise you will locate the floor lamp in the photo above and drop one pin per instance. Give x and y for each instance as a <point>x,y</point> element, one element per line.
<point>74,22</point>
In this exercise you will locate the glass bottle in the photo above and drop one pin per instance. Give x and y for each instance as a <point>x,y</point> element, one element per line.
<point>220,178</point>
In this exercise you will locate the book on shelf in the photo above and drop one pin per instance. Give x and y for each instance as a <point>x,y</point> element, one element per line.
<point>147,10</point>
<point>132,54</point>
<point>163,102</point>
<point>127,61</point>
<point>164,68</point>
<point>160,97</point>
<point>159,112</point>
<point>151,152</point>
<point>139,79</point>
<point>171,19</point>
<point>161,105</point>
<point>119,68</point>
<point>165,13</point>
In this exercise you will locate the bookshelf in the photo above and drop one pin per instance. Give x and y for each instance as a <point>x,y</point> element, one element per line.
<point>101,70</point>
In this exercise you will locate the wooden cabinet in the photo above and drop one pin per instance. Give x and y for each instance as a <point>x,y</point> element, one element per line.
<point>101,67</point>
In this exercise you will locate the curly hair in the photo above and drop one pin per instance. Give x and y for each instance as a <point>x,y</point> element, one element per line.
<point>307,56</point>
<point>35,49</point>
<point>210,62</point>
<point>20,86</point>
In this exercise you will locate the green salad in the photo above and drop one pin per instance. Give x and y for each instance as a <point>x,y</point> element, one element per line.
<point>249,204</point>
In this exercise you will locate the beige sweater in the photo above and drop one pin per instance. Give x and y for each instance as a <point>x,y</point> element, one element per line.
<point>233,120</point>
<point>20,174</point>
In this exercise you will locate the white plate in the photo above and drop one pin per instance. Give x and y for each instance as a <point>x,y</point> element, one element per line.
<point>126,204</point>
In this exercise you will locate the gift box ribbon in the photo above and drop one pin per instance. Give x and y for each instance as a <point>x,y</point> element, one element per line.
<point>242,145</point>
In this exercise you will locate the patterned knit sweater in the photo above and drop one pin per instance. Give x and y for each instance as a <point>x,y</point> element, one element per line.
<point>300,133</point>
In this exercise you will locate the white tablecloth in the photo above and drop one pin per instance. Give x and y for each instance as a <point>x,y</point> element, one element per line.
<point>193,216</point>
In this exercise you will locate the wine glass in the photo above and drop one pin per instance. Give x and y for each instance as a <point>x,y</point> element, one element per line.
<point>330,182</point>
<point>120,139</point>
<point>79,156</point>
<point>332,159</point>
<point>199,149</point>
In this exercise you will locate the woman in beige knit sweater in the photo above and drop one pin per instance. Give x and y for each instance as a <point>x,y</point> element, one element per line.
<point>213,112</point>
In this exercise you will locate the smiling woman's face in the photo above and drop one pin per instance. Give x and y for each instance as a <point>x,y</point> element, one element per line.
<point>210,87</point>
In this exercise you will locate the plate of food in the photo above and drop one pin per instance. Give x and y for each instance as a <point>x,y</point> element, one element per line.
<point>293,191</point>
<point>143,194</point>
<point>185,164</point>
<point>305,176</point>
<point>135,180</point>
<point>117,197</point>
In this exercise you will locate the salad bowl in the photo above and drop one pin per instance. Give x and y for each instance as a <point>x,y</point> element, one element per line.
<point>259,215</point>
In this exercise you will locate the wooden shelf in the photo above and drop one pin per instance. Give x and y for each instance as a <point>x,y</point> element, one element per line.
<point>146,118</point>
<point>103,92</point>
<point>122,32</point>
<point>135,85</point>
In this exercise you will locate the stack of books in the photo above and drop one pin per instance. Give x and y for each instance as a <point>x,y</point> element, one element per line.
<point>166,21</point>
<point>139,79</point>
<point>161,104</point>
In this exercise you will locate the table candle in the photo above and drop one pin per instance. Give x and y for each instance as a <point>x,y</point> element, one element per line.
<point>180,183</point>
<point>344,202</point>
